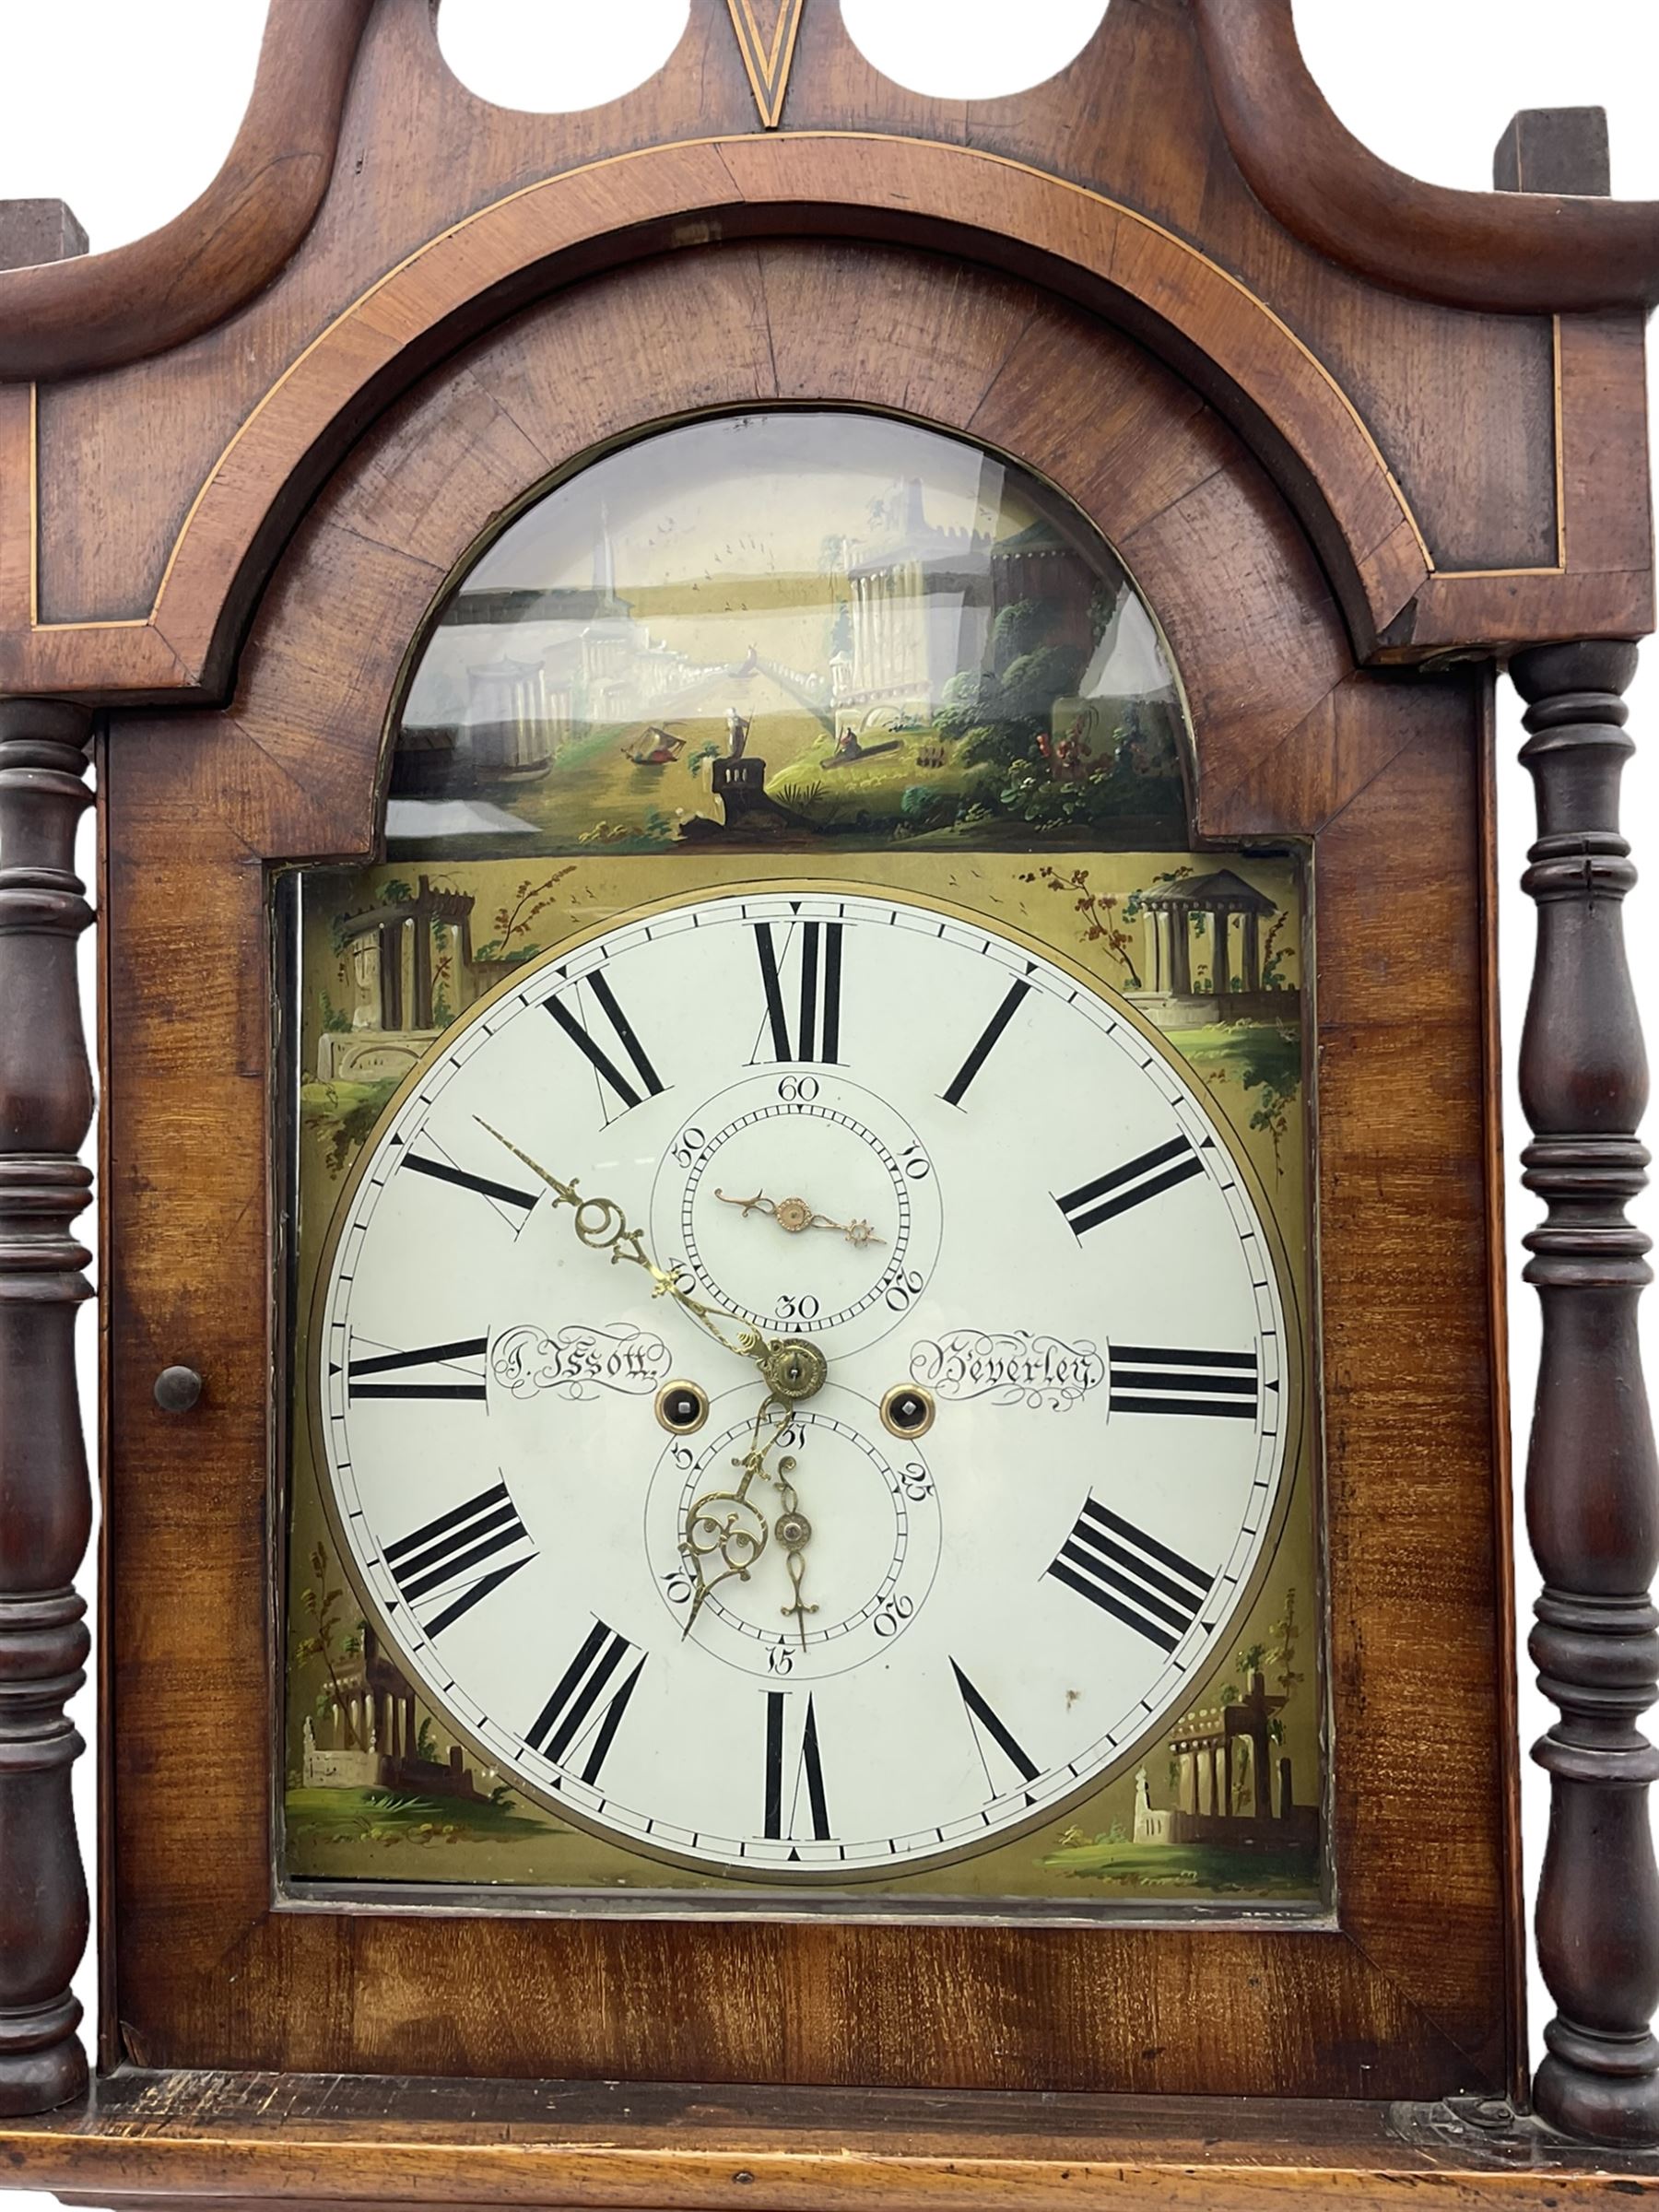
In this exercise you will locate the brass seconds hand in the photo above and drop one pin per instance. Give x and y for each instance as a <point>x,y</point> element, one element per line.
<point>795,1215</point>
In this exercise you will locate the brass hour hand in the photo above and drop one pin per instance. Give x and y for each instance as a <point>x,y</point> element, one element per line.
<point>790,1370</point>
<point>602,1226</point>
<point>795,1215</point>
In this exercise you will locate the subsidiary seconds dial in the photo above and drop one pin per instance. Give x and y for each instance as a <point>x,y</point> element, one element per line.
<point>763,1635</point>
<point>779,1150</point>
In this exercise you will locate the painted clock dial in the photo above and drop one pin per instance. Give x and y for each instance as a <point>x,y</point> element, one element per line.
<point>936,1599</point>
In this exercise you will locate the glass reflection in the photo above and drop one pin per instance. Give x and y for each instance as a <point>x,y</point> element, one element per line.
<point>780,628</point>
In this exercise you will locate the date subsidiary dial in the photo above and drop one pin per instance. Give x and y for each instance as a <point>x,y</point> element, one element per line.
<point>795,1647</point>
<point>875,1533</point>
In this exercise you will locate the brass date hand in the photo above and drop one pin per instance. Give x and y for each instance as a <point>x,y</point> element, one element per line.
<point>795,1215</point>
<point>729,1527</point>
<point>794,1531</point>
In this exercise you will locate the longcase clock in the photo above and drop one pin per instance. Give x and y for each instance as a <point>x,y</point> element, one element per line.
<point>805,1471</point>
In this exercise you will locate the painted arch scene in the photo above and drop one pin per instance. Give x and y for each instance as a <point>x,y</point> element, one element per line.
<point>789,629</point>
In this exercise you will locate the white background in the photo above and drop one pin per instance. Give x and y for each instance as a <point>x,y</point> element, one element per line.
<point>126,110</point>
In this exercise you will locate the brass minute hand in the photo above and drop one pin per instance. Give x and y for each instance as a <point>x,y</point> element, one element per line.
<point>791,1372</point>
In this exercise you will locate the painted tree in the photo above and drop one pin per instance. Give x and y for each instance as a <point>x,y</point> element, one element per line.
<point>1284,1637</point>
<point>1002,712</point>
<point>1101,919</point>
<point>322,1604</point>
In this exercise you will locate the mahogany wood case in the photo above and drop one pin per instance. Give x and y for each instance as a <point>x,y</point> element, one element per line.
<point>1361,441</point>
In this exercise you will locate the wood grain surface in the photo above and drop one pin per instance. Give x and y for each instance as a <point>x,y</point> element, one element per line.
<point>1342,427</point>
<point>63,317</point>
<point>1411,1995</point>
<point>156,2139</point>
<point>1544,249</point>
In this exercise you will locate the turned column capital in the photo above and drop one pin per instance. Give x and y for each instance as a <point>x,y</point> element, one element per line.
<point>1600,665</point>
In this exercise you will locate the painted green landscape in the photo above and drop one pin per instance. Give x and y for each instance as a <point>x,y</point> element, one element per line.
<point>1194,1868</point>
<point>927,647</point>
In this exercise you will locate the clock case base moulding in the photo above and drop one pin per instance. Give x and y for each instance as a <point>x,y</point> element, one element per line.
<point>187,2139</point>
<point>1445,388</point>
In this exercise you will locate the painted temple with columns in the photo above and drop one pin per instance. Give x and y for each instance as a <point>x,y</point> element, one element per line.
<point>412,971</point>
<point>1233,1788</point>
<point>1204,963</point>
<point>367,1738</point>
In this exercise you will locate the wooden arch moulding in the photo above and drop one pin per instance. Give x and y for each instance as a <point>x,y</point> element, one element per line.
<point>980,206</point>
<point>996,360</point>
<point>1358,440</point>
<point>1434,536</point>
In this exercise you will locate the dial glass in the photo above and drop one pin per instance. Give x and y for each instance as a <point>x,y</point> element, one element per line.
<point>798,1378</point>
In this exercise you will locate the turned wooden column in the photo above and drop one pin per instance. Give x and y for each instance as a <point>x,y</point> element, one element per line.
<point>1591,1484</point>
<point>46,1503</point>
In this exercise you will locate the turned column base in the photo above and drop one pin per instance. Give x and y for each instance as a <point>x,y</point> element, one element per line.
<point>41,2063</point>
<point>1599,2089</point>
